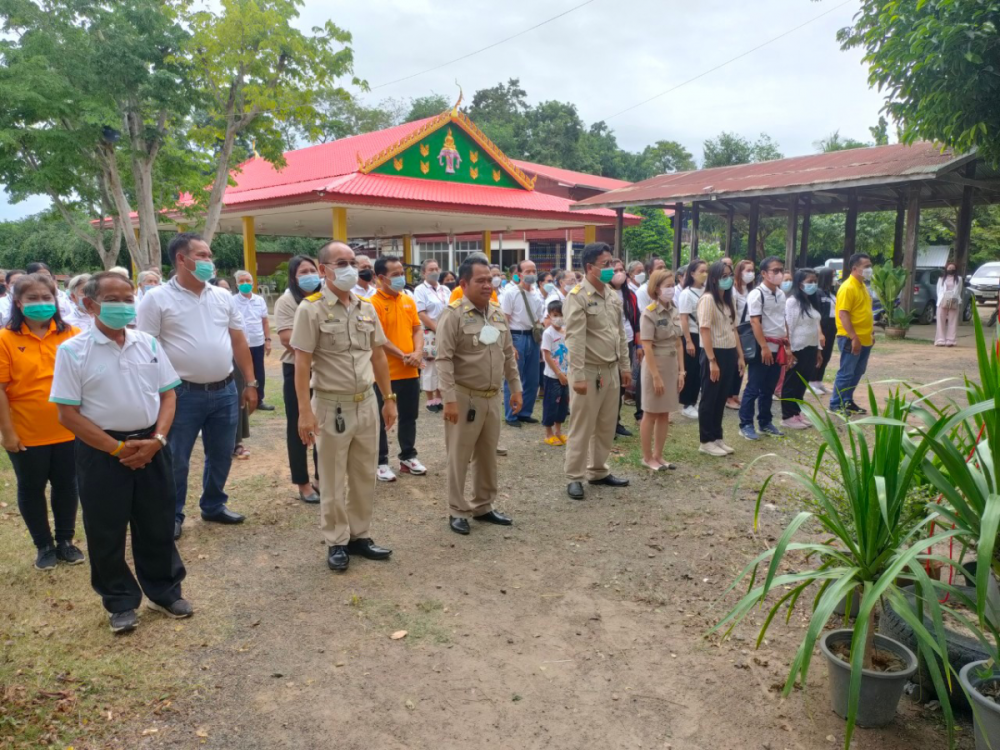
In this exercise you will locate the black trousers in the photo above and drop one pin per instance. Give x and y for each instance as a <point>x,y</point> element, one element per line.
<point>636,385</point>
<point>34,468</point>
<point>829,328</point>
<point>692,373</point>
<point>407,407</point>
<point>796,378</point>
<point>298,459</point>
<point>115,500</point>
<point>713,395</point>
<point>257,355</point>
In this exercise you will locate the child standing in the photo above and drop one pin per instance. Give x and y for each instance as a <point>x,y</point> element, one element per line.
<point>555,389</point>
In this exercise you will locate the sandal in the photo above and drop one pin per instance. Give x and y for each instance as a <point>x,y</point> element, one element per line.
<point>562,439</point>
<point>553,440</point>
<point>240,453</point>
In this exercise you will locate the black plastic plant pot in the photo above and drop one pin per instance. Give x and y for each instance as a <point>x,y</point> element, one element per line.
<point>880,691</point>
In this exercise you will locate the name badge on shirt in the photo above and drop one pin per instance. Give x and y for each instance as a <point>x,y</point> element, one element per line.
<point>663,322</point>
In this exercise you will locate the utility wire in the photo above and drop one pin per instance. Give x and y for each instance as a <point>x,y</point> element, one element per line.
<point>731,60</point>
<point>495,44</point>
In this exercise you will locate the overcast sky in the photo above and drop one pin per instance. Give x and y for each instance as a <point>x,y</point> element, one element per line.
<point>612,54</point>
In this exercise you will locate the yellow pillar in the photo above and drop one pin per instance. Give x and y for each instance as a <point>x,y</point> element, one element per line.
<point>488,245</point>
<point>339,233</point>
<point>590,234</point>
<point>407,255</point>
<point>182,228</point>
<point>250,248</point>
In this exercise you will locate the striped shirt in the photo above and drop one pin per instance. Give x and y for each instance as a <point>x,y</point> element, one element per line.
<point>710,315</point>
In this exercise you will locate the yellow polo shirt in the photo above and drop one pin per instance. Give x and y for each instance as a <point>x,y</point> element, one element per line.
<point>853,297</point>
<point>457,293</point>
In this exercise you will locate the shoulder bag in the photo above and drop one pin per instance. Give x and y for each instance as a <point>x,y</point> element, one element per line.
<point>536,327</point>
<point>748,342</point>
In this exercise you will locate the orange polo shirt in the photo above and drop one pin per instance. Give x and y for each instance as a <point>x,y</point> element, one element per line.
<point>26,365</point>
<point>398,316</point>
<point>457,293</point>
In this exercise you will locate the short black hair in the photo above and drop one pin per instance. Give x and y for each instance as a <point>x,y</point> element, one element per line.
<point>11,274</point>
<point>381,265</point>
<point>554,306</point>
<point>765,265</point>
<point>92,288</point>
<point>16,319</point>
<point>465,270</point>
<point>856,259</point>
<point>297,292</point>
<point>180,244</point>
<point>35,267</point>
<point>592,252</point>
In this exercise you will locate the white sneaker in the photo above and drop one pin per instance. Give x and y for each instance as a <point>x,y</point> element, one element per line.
<point>726,448</point>
<point>818,389</point>
<point>691,412</point>
<point>384,474</point>
<point>412,466</point>
<point>712,449</point>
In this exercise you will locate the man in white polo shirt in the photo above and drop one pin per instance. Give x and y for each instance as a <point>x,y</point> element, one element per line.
<point>366,285</point>
<point>115,391</point>
<point>257,328</point>
<point>432,298</point>
<point>201,331</point>
<point>525,309</point>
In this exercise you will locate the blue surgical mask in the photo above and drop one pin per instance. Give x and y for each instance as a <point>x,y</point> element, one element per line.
<point>80,307</point>
<point>204,270</point>
<point>786,286</point>
<point>529,278</point>
<point>549,288</point>
<point>726,283</point>
<point>398,283</point>
<point>116,315</point>
<point>309,282</point>
<point>810,289</point>
<point>607,274</point>
<point>245,288</point>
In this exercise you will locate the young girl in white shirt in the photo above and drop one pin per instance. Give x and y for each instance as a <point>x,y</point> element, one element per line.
<point>803,314</point>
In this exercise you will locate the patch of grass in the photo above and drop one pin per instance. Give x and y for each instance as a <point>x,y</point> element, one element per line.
<point>424,623</point>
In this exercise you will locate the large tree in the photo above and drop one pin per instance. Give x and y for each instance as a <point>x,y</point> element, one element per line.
<point>937,61</point>
<point>834,142</point>
<point>423,107</point>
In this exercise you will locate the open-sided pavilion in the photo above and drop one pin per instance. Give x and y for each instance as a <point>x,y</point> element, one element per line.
<point>900,178</point>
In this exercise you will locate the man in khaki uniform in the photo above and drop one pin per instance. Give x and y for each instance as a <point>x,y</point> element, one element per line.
<point>475,356</point>
<point>598,366</point>
<point>338,338</point>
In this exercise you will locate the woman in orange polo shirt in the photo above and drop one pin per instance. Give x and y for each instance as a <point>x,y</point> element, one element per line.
<point>40,448</point>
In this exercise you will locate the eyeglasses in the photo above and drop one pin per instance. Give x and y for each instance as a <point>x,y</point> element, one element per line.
<point>342,264</point>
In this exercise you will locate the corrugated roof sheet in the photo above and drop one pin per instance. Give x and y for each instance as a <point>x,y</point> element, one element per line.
<point>569,177</point>
<point>896,162</point>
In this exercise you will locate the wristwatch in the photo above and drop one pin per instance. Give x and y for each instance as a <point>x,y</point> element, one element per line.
<point>251,384</point>
<point>161,438</point>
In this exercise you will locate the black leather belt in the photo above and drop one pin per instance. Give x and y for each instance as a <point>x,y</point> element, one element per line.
<point>134,435</point>
<point>216,386</point>
<point>522,333</point>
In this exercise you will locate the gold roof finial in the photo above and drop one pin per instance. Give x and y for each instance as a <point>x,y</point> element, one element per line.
<point>461,94</point>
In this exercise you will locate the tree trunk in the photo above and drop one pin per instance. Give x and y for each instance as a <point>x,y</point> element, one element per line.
<point>214,212</point>
<point>109,257</point>
<point>116,193</point>
<point>869,642</point>
<point>149,239</point>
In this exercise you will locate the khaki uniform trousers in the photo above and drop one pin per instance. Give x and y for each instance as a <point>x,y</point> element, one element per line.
<point>592,423</point>
<point>347,462</point>
<point>476,440</point>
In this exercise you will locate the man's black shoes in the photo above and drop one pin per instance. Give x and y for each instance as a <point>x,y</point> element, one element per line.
<point>621,430</point>
<point>178,529</point>
<point>575,490</point>
<point>337,558</point>
<point>611,481</point>
<point>123,622</point>
<point>493,517</point>
<point>224,516</point>
<point>459,525</point>
<point>368,549</point>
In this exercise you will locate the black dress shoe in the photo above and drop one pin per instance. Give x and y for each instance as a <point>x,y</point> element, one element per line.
<point>337,558</point>
<point>459,525</point>
<point>514,423</point>
<point>575,490</point>
<point>527,420</point>
<point>224,516</point>
<point>265,407</point>
<point>611,481</point>
<point>493,517</point>
<point>178,529</point>
<point>312,498</point>
<point>368,549</point>
<point>620,430</point>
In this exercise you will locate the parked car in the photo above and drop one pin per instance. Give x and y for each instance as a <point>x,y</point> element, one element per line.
<point>925,296</point>
<point>985,282</point>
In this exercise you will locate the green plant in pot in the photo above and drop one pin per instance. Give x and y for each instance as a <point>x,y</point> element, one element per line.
<point>870,540</point>
<point>887,283</point>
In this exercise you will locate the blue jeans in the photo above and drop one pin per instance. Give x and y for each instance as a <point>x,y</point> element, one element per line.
<point>528,354</point>
<point>215,414</point>
<point>852,369</point>
<point>761,381</point>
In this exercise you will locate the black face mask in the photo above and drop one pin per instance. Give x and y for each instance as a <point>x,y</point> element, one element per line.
<point>451,285</point>
<point>951,271</point>
<point>366,275</point>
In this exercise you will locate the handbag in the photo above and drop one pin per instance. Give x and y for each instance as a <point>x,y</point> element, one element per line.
<point>536,329</point>
<point>748,342</point>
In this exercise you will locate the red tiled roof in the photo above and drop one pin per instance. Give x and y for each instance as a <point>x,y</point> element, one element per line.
<point>880,164</point>
<point>569,177</point>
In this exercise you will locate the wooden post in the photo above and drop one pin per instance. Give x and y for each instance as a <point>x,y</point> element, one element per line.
<point>850,231</point>
<point>910,248</point>
<point>619,225</point>
<point>589,234</point>
<point>250,248</point>
<point>451,255</point>
<point>897,239</point>
<point>339,231</point>
<point>695,224</point>
<point>678,231</point>
<point>964,229</point>
<point>791,231</point>
<point>407,256</point>
<point>804,239</point>
<point>729,232</point>
<point>752,232</point>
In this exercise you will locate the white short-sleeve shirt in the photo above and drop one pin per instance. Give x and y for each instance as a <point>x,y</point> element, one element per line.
<point>193,329</point>
<point>430,300</point>
<point>687,303</point>
<point>361,293</point>
<point>512,304</point>
<point>79,319</point>
<point>116,389</point>
<point>642,299</point>
<point>770,308</point>
<point>803,330</point>
<point>254,312</point>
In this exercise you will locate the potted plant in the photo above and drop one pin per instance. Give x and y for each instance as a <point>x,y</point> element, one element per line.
<point>870,541</point>
<point>887,282</point>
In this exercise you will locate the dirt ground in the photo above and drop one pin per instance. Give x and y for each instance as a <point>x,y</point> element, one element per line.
<point>581,625</point>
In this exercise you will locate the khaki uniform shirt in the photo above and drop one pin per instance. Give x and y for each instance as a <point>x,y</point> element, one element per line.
<point>661,325</point>
<point>340,338</point>
<point>284,320</point>
<point>464,360</point>
<point>595,330</point>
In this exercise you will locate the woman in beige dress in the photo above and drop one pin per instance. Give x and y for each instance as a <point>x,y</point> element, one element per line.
<point>662,374</point>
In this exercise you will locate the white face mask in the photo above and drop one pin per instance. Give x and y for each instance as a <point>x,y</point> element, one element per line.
<point>557,321</point>
<point>867,273</point>
<point>748,277</point>
<point>495,281</point>
<point>345,279</point>
<point>640,279</point>
<point>666,294</point>
<point>489,335</point>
